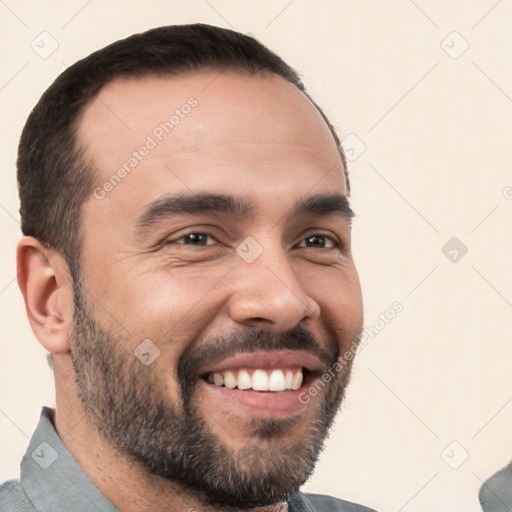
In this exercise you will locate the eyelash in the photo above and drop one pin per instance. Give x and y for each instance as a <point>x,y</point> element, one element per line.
<point>336,244</point>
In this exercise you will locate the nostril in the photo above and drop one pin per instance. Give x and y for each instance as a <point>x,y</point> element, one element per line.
<point>259,322</point>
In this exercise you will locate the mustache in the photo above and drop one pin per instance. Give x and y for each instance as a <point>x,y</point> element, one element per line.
<point>248,342</point>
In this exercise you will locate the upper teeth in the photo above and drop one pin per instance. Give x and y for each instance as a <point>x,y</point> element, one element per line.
<point>260,380</point>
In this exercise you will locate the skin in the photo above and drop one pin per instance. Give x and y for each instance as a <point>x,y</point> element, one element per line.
<point>257,138</point>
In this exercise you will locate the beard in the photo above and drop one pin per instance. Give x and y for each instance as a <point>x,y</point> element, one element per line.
<point>128,404</point>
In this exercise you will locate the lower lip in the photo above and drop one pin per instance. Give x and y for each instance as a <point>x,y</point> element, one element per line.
<point>260,403</point>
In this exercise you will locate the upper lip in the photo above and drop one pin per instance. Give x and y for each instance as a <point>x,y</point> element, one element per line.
<point>265,361</point>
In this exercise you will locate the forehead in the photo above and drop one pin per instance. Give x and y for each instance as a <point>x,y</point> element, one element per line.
<point>204,131</point>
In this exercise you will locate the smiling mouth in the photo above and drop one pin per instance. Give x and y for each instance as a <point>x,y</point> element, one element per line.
<point>259,379</point>
<point>271,372</point>
<point>260,384</point>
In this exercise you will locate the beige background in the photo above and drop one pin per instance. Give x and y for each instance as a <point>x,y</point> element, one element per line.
<point>437,130</point>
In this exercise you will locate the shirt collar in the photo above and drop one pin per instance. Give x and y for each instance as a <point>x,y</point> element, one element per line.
<point>51,476</point>
<point>297,502</point>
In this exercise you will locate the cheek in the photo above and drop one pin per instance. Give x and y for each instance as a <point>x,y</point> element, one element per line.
<point>155,299</point>
<point>171,307</point>
<point>341,306</point>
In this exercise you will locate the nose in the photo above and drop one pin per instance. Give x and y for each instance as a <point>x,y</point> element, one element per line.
<point>268,294</point>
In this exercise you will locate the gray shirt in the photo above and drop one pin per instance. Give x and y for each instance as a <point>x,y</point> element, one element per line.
<point>51,480</point>
<point>496,493</point>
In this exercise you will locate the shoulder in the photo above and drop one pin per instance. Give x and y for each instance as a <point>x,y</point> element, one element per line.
<point>13,498</point>
<point>323,503</point>
<point>496,493</point>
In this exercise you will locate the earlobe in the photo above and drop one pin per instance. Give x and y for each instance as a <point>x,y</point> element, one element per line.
<point>46,286</point>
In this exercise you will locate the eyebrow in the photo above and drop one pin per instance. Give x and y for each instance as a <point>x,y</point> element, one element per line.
<point>169,206</point>
<point>323,205</point>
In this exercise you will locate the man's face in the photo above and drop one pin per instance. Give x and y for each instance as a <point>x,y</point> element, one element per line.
<point>225,245</point>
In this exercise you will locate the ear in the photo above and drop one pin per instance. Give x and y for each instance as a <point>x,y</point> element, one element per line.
<point>46,285</point>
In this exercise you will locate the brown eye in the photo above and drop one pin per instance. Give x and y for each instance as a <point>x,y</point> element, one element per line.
<point>199,239</point>
<point>319,241</point>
